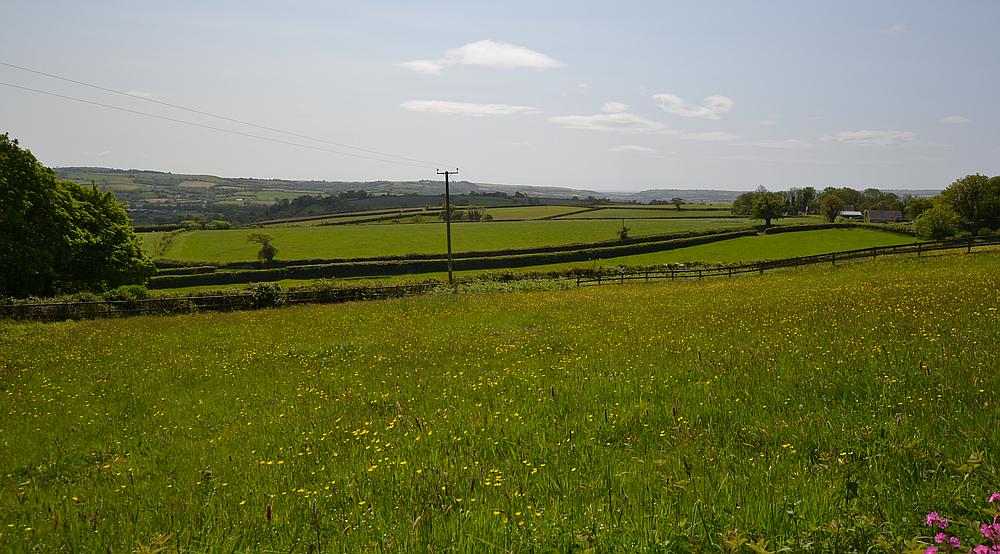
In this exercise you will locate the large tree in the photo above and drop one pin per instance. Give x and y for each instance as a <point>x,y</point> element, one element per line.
<point>57,236</point>
<point>768,206</point>
<point>831,206</point>
<point>976,199</point>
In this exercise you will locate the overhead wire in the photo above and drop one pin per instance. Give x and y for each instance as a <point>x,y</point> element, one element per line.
<point>214,128</point>
<point>217,116</point>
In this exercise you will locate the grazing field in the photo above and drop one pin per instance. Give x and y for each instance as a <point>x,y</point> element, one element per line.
<point>355,241</point>
<point>648,213</point>
<point>150,240</point>
<point>814,410</point>
<point>766,247</point>
<point>531,212</point>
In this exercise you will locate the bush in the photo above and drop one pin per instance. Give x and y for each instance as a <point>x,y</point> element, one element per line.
<point>937,223</point>
<point>129,293</point>
<point>264,295</point>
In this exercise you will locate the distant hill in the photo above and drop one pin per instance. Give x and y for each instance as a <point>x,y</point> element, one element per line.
<point>157,196</point>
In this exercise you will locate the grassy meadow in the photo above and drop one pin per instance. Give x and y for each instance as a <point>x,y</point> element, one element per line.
<point>357,241</point>
<point>820,409</point>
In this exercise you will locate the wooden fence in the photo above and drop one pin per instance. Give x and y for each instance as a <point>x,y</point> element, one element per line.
<point>919,248</point>
<point>57,311</point>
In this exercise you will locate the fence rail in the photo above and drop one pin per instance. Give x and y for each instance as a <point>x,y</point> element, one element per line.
<point>57,311</point>
<point>918,248</point>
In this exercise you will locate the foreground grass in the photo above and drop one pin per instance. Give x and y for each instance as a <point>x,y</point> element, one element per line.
<point>818,409</point>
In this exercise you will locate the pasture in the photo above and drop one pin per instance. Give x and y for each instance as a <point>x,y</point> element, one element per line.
<point>357,241</point>
<point>824,409</point>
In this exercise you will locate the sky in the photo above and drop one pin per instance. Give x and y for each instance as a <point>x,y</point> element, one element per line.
<point>609,96</point>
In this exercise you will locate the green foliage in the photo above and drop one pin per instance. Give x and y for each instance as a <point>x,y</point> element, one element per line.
<point>831,206</point>
<point>916,206</point>
<point>130,293</point>
<point>267,250</point>
<point>937,223</point>
<point>976,199</point>
<point>677,202</point>
<point>57,236</point>
<point>218,224</point>
<point>264,295</point>
<point>767,206</point>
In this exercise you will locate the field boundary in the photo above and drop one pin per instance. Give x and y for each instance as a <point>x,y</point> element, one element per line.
<point>832,258</point>
<point>58,311</point>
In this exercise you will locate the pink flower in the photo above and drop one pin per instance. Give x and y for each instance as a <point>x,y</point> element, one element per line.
<point>932,550</point>
<point>991,532</point>
<point>995,497</point>
<point>954,542</point>
<point>981,549</point>
<point>933,519</point>
<point>940,538</point>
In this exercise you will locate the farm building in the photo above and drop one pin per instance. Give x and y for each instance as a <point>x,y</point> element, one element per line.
<point>883,216</point>
<point>851,214</point>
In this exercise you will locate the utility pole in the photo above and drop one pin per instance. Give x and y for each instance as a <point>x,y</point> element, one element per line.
<point>447,218</point>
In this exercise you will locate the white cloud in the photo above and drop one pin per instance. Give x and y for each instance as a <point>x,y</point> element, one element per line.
<point>614,107</point>
<point>139,93</point>
<point>876,138</point>
<point>787,144</point>
<point>632,148</point>
<point>895,29</point>
<point>711,107</point>
<point>711,136</point>
<point>621,122</point>
<point>427,67</point>
<point>767,123</point>
<point>486,53</point>
<point>465,108</point>
<point>956,119</point>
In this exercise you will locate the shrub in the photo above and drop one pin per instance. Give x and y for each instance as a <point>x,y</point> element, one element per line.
<point>129,293</point>
<point>264,295</point>
<point>937,223</point>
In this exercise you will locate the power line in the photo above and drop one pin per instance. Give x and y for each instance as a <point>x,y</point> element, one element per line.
<point>222,117</point>
<point>212,127</point>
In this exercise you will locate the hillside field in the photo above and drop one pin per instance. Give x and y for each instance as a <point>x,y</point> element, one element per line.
<point>357,241</point>
<point>821,409</point>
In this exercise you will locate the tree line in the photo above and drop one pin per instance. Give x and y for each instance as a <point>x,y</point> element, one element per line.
<point>58,236</point>
<point>968,206</point>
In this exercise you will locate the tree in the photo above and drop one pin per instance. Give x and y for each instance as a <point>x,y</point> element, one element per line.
<point>623,232</point>
<point>474,214</point>
<point>976,199</point>
<point>267,250</point>
<point>916,206</point>
<point>677,202</point>
<point>768,206</point>
<point>937,223</point>
<point>56,236</point>
<point>742,204</point>
<point>831,206</point>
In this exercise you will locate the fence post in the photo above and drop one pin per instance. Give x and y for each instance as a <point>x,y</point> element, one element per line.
<point>699,274</point>
<point>833,258</point>
<point>920,247</point>
<point>622,278</point>
<point>578,280</point>
<point>647,275</point>
<point>968,247</point>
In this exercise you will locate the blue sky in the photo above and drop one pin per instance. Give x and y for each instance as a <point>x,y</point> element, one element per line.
<point>601,95</point>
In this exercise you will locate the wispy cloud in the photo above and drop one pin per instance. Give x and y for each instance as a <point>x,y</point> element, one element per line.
<point>632,148</point>
<point>783,144</point>
<point>895,29</point>
<point>955,119</point>
<point>875,138</point>
<point>466,108</point>
<point>623,122</point>
<point>711,136</point>
<point>614,107</point>
<point>712,107</point>
<point>767,123</point>
<point>486,53</point>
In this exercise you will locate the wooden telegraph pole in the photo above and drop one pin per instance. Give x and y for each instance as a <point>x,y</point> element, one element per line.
<point>447,218</point>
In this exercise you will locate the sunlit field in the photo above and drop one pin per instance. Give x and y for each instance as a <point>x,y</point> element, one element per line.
<point>814,409</point>
<point>357,241</point>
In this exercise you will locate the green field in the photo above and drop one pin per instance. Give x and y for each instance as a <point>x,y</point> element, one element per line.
<point>819,410</point>
<point>645,213</point>
<point>355,241</point>
<point>531,212</point>
<point>769,247</point>
<point>150,240</point>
